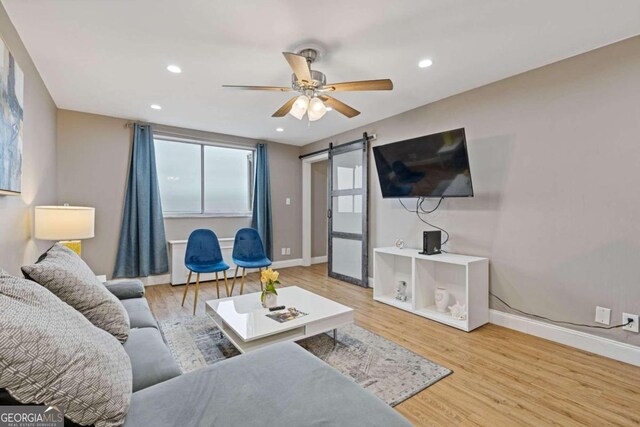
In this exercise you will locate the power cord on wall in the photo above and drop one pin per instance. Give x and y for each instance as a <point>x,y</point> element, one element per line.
<point>630,321</point>
<point>422,199</point>
<point>419,210</point>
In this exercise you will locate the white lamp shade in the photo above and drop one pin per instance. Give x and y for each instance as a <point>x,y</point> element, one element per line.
<point>64,222</point>
<point>299,107</point>
<point>317,109</point>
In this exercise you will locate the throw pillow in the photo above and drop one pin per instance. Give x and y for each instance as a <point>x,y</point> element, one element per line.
<point>50,354</point>
<point>65,274</point>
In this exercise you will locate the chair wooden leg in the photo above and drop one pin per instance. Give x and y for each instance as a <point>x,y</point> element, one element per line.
<point>226,284</point>
<point>242,281</point>
<point>195,299</point>
<point>217,286</point>
<point>260,279</point>
<point>233,284</point>
<point>184,294</point>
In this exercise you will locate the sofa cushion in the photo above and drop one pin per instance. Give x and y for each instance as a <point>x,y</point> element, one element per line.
<point>278,385</point>
<point>151,361</point>
<point>125,288</point>
<point>139,313</point>
<point>65,274</point>
<point>51,354</point>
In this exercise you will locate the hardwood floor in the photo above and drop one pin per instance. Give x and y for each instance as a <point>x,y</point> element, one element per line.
<point>501,377</point>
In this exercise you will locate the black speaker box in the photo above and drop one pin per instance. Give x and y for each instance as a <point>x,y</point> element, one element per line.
<point>431,242</point>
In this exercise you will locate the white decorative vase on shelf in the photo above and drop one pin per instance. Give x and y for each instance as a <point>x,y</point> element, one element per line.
<point>442,299</point>
<point>270,300</point>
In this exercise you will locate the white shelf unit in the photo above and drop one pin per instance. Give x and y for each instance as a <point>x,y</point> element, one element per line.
<point>465,277</point>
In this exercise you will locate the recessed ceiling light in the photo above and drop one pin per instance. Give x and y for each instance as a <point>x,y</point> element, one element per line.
<point>156,107</point>
<point>329,109</point>
<point>174,69</point>
<point>279,130</point>
<point>425,63</point>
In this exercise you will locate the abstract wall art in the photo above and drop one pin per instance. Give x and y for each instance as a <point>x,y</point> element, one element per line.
<point>11,121</point>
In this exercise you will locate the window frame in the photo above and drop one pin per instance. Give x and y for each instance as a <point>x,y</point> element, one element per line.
<point>204,143</point>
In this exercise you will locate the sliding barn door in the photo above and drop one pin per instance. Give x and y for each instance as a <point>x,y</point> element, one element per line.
<point>348,206</point>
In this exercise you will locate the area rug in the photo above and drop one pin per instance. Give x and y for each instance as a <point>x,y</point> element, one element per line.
<point>389,371</point>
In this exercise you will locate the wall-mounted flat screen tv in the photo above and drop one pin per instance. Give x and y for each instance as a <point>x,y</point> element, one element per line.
<point>429,166</point>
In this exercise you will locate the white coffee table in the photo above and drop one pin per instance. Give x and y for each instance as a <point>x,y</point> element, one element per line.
<point>244,321</point>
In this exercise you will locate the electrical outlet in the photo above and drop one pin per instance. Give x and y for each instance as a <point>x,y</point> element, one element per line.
<point>288,201</point>
<point>633,327</point>
<point>288,251</point>
<point>603,315</point>
<point>283,251</point>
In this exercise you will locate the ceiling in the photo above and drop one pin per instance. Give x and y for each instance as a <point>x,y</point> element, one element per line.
<point>110,56</point>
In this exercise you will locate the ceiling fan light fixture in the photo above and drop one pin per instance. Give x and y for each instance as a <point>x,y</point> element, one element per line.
<point>302,102</point>
<point>317,109</point>
<point>312,88</point>
<point>299,107</point>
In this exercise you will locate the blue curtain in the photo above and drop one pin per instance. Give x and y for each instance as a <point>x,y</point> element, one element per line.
<point>261,219</point>
<point>142,250</point>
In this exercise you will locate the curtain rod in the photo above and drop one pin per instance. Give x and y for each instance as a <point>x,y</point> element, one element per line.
<point>205,141</point>
<point>181,133</point>
<point>371,137</point>
<point>130,124</point>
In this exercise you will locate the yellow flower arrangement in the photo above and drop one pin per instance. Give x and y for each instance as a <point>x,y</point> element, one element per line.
<point>269,275</point>
<point>270,279</point>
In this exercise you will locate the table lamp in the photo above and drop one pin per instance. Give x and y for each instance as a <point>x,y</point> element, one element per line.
<point>66,224</point>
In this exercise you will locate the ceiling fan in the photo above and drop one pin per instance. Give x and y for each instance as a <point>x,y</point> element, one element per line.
<point>314,89</point>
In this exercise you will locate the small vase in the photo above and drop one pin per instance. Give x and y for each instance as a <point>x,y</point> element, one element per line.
<point>442,299</point>
<point>270,300</point>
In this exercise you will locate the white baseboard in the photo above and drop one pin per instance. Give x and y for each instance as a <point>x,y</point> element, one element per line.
<point>603,346</point>
<point>287,263</point>
<point>160,279</point>
<point>319,259</point>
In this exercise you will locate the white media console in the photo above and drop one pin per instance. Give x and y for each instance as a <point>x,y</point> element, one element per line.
<point>466,278</point>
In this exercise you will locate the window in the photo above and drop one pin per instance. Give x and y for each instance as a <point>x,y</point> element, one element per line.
<point>203,179</point>
<point>349,178</point>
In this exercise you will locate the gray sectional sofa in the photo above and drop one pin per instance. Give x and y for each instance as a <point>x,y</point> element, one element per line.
<point>279,385</point>
<point>151,361</point>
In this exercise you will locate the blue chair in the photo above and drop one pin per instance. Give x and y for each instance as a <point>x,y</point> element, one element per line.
<point>248,252</point>
<point>203,255</point>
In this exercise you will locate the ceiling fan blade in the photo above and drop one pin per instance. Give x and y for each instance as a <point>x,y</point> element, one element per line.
<point>299,65</point>
<point>382,84</point>
<point>274,88</point>
<point>340,106</point>
<point>285,108</point>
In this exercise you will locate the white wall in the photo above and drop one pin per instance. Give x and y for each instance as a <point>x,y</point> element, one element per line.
<point>17,245</point>
<point>555,154</point>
